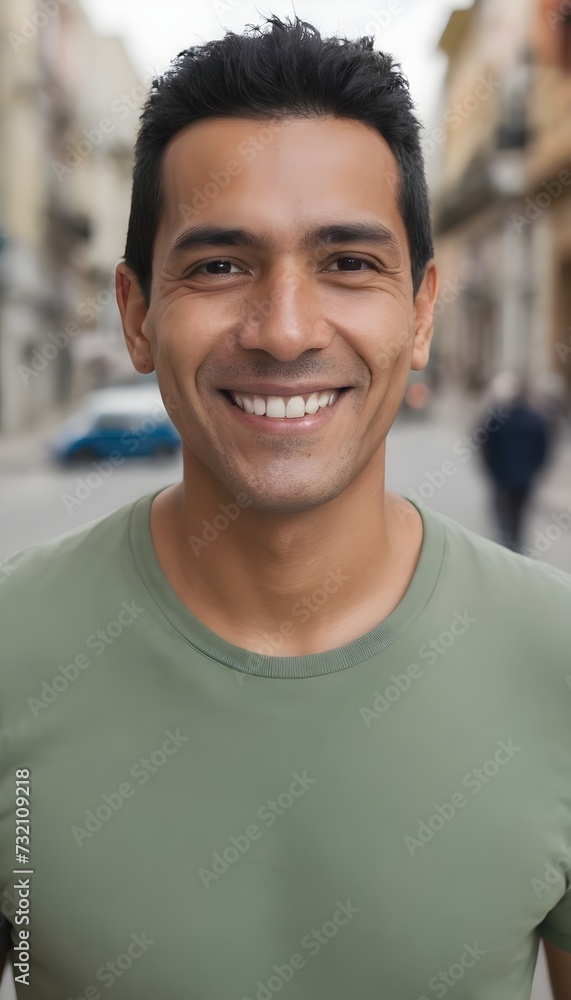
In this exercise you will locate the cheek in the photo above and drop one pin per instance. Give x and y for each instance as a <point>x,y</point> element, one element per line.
<point>183,336</point>
<point>387,346</point>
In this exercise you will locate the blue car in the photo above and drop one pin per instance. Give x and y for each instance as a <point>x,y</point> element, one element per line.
<point>126,422</point>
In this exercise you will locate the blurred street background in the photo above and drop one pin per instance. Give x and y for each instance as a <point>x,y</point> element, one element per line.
<point>492,83</point>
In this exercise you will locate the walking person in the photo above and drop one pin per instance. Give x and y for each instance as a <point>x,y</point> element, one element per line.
<point>513,455</point>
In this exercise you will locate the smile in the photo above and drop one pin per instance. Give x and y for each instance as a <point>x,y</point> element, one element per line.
<point>289,407</point>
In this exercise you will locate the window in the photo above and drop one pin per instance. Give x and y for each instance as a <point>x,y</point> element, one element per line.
<point>113,422</point>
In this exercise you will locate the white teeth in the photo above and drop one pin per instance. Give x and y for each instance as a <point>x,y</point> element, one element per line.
<point>295,407</point>
<point>275,407</point>
<point>278,407</point>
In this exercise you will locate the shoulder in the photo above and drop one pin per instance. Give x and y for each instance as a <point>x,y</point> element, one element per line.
<point>499,573</point>
<point>56,596</point>
<point>39,570</point>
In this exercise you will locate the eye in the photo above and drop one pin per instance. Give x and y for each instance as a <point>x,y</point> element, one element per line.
<point>351,263</point>
<point>219,266</point>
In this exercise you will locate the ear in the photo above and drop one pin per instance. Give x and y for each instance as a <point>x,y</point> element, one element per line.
<point>134,309</point>
<point>424,317</point>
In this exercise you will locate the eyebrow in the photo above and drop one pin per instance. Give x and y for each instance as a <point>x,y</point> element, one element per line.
<point>214,236</point>
<point>352,232</point>
<point>359,232</point>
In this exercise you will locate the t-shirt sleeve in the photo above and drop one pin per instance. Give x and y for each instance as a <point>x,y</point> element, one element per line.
<point>556,926</point>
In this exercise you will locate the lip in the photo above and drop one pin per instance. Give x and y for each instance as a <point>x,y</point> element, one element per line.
<point>284,425</point>
<point>282,390</point>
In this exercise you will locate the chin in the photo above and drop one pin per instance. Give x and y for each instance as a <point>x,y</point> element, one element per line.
<point>289,500</point>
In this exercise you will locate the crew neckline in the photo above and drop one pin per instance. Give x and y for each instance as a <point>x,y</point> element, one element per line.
<point>197,634</point>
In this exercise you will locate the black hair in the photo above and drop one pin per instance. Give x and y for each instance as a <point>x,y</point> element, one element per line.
<point>283,69</point>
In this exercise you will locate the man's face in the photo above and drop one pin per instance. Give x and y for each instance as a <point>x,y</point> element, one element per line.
<point>309,295</point>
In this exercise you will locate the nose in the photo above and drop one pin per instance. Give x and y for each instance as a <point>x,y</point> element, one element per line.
<point>285,316</point>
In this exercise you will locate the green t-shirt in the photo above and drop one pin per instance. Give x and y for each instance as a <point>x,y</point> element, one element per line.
<point>391,818</point>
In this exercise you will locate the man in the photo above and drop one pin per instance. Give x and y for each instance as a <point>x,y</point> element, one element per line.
<point>285,731</point>
<point>514,455</point>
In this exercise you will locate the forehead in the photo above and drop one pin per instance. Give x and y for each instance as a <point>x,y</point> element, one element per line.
<point>281,173</point>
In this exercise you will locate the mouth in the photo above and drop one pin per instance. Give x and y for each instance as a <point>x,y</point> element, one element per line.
<point>287,407</point>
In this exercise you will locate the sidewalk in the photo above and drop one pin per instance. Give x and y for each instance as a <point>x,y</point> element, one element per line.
<point>550,515</point>
<point>551,505</point>
<point>25,451</point>
<point>554,490</point>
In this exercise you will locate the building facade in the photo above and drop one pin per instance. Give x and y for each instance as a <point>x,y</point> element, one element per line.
<point>69,103</point>
<point>501,231</point>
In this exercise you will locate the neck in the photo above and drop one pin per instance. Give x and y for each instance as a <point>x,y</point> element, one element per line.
<point>287,584</point>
